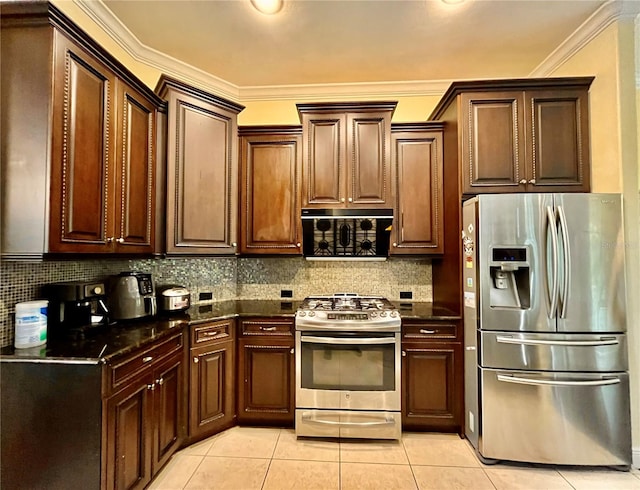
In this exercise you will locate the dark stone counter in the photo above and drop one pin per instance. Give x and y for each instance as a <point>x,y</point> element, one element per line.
<point>104,343</point>
<point>424,311</point>
<point>118,339</point>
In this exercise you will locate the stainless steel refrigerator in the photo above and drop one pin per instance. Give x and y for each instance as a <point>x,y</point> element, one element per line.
<point>546,368</point>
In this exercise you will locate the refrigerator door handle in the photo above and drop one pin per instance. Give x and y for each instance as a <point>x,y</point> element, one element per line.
<point>567,261</point>
<point>501,339</point>
<point>548,382</point>
<point>552,229</point>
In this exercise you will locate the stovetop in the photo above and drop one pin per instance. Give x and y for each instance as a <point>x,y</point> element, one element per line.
<point>347,312</point>
<point>346,303</point>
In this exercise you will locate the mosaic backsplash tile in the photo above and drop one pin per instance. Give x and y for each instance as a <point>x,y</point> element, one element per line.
<point>225,278</point>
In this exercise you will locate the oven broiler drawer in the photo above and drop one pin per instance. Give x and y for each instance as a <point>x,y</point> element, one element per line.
<point>348,424</point>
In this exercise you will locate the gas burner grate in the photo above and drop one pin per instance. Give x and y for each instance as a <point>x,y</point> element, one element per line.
<point>345,237</point>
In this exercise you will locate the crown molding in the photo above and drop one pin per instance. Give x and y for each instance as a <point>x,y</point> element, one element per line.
<point>608,13</point>
<point>329,91</point>
<point>142,53</point>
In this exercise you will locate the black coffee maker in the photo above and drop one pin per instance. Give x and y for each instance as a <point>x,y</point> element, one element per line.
<point>76,306</point>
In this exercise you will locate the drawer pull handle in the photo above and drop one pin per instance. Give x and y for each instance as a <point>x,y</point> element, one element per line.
<point>268,329</point>
<point>210,334</point>
<point>422,330</point>
<point>147,359</point>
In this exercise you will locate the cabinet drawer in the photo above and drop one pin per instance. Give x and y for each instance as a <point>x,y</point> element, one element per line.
<point>129,367</point>
<point>268,326</point>
<point>426,331</point>
<point>216,331</point>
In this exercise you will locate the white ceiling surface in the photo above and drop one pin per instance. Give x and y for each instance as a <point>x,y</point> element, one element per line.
<point>355,41</point>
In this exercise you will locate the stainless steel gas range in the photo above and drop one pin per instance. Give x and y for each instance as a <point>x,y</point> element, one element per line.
<point>348,367</point>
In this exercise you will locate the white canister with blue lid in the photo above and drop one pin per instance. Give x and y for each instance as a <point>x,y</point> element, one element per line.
<point>31,324</point>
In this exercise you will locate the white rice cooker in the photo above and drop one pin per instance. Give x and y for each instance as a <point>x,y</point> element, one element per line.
<point>173,298</point>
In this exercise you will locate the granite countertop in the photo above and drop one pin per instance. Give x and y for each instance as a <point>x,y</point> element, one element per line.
<point>422,310</point>
<point>105,343</point>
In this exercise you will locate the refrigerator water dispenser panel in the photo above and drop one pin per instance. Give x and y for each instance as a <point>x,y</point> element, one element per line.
<point>510,278</point>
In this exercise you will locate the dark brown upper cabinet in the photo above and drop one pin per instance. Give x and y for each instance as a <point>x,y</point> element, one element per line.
<point>346,155</point>
<point>79,139</point>
<point>270,183</point>
<point>202,170</point>
<point>529,135</point>
<point>416,153</point>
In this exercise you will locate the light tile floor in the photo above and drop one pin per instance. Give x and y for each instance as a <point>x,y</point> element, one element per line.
<point>244,458</point>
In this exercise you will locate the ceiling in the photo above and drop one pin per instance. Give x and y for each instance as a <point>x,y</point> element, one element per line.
<point>355,41</point>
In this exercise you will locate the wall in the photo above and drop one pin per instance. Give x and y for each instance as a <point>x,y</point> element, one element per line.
<point>227,278</point>
<point>614,155</point>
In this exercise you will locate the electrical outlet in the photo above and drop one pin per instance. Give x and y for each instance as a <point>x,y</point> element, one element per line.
<point>205,296</point>
<point>286,293</point>
<point>406,295</point>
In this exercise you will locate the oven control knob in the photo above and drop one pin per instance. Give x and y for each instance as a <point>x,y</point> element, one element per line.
<point>393,314</point>
<point>312,313</point>
<point>302,313</point>
<point>374,314</point>
<point>383,313</point>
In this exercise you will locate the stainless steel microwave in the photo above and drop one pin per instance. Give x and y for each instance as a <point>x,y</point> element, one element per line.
<point>339,234</point>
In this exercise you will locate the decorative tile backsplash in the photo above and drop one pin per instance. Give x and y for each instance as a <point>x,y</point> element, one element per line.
<point>226,278</point>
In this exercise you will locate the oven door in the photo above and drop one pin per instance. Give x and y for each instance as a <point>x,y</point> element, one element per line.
<point>348,370</point>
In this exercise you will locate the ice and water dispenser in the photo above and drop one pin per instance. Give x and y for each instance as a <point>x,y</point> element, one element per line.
<point>510,278</point>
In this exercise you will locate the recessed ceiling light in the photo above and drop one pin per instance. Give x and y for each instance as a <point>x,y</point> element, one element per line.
<point>268,7</point>
<point>452,2</point>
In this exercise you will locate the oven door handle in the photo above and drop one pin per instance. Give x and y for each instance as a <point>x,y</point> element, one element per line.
<point>348,341</point>
<point>307,417</point>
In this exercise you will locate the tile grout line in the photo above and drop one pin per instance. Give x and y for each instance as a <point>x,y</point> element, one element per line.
<point>264,480</point>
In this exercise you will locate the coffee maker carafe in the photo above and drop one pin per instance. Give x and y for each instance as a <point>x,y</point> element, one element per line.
<point>78,305</point>
<point>131,295</point>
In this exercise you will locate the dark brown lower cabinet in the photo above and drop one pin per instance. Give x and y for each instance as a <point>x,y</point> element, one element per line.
<point>211,379</point>
<point>432,378</point>
<point>266,372</point>
<point>144,413</point>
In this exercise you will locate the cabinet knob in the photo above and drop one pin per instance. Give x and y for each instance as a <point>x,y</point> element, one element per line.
<point>523,181</point>
<point>395,244</point>
<point>151,387</point>
<point>532,181</point>
<point>298,244</point>
<point>234,244</point>
<point>110,239</point>
<point>351,199</point>
<point>120,240</point>
<point>196,360</point>
<point>342,199</point>
<point>160,381</point>
<point>404,354</point>
<point>292,350</point>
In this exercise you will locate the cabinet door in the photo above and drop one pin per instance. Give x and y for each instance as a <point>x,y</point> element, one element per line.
<point>82,152</point>
<point>558,127</point>
<point>135,195</point>
<point>266,383</point>
<point>417,180</point>
<point>270,181</point>
<point>202,177</point>
<point>369,160</point>
<point>323,174</point>
<point>430,378</point>
<point>169,410</point>
<point>492,139</point>
<point>129,429</point>
<point>211,389</point>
